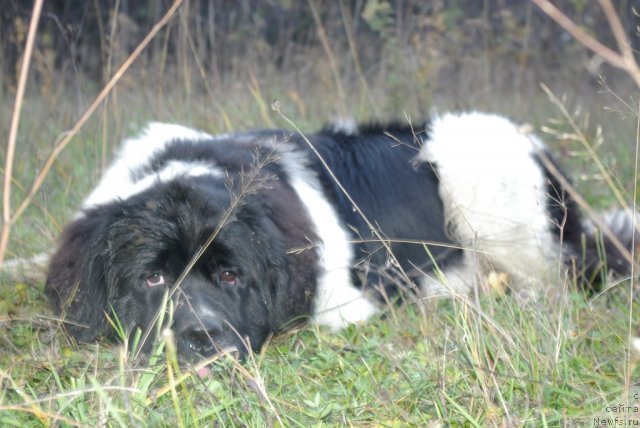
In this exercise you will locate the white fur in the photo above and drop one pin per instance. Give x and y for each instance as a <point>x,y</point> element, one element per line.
<point>346,125</point>
<point>118,181</point>
<point>338,303</point>
<point>170,172</point>
<point>494,196</point>
<point>452,280</point>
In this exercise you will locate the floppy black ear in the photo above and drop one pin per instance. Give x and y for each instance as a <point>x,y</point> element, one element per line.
<point>76,285</point>
<point>297,278</point>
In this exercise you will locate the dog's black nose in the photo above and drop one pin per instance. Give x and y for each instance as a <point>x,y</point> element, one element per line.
<point>201,337</point>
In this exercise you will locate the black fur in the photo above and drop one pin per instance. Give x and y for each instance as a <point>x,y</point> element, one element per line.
<point>398,196</point>
<point>105,256</point>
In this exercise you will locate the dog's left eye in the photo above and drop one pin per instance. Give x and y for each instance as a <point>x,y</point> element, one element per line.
<point>154,280</point>
<point>228,277</point>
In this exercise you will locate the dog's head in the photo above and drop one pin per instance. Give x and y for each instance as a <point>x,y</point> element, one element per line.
<point>226,266</point>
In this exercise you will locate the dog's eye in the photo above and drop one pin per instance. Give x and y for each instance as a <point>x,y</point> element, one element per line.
<point>154,280</point>
<point>228,277</point>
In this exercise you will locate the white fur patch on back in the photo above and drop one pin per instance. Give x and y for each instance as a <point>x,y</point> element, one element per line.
<point>118,181</point>
<point>345,125</point>
<point>494,195</point>
<point>337,303</point>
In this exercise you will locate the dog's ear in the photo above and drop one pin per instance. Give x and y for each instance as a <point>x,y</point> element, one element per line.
<point>76,285</point>
<point>297,273</point>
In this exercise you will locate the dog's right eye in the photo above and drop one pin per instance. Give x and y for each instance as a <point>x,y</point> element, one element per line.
<point>154,280</point>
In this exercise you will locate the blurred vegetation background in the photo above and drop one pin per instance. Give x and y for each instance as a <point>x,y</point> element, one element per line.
<point>219,64</point>
<point>505,45</point>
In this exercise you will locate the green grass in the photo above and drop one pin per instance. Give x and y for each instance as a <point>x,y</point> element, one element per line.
<point>497,363</point>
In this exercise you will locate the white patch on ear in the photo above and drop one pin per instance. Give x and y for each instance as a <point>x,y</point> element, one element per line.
<point>337,303</point>
<point>118,181</point>
<point>494,194</point>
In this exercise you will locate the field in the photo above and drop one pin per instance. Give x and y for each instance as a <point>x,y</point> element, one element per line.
<point>564,358</point>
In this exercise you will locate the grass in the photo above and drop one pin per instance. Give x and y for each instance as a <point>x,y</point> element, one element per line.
<point>561,360</point>
<point>499,363</point>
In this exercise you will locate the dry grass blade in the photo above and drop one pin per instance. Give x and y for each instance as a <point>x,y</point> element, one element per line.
<point>604,228</point>
<point>632,284</point>
<point>385,242</point>
<point>249,184</point>
<point>42,174</point>
<point>630,64</point>
<point>597,161</point>
<point>326,46</point>
<point>348,28</point>
<point>624,61</point>
<point>184,376</point>
<point>13,131</point>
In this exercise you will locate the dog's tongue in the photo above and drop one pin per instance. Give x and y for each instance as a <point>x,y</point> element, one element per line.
<point>204,372</point>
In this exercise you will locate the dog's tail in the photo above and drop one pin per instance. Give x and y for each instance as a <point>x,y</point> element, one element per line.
<point>609,247</point>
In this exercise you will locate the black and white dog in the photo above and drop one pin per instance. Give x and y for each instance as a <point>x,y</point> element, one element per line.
<point>246,234</point>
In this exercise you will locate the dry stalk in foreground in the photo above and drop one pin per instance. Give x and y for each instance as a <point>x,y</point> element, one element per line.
<point>622,59</point>
<point>9,219</point>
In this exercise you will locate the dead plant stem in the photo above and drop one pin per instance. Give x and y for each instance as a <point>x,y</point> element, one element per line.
<point>624,61</point>
<point>13,130</point>
<point>42,174</point>
<point>324,40</point>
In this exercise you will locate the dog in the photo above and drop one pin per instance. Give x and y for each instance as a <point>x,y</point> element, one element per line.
<point>230,239</point>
